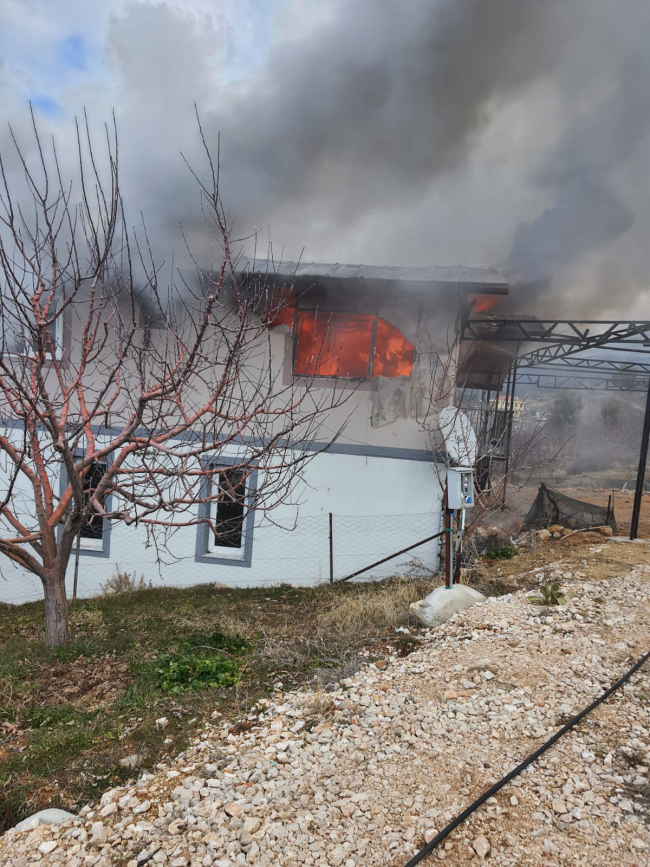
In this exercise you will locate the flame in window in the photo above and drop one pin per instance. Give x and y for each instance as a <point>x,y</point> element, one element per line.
<point>394,355</point>
<point>346,345</point>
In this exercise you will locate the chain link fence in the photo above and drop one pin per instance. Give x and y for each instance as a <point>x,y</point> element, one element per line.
<point>316,549</point>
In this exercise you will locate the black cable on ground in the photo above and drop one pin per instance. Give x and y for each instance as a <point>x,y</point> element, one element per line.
<point>431,845</point>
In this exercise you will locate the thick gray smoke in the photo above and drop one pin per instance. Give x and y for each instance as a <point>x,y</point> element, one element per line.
<point>486,132</point>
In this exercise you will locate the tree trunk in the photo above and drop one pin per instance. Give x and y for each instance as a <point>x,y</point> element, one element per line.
<point>56,611</point>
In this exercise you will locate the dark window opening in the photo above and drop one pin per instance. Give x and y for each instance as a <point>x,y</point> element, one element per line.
<point>94,527</point>
<point>231,501</point>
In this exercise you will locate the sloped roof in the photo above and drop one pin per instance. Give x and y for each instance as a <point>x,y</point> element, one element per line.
<point>483,280</point>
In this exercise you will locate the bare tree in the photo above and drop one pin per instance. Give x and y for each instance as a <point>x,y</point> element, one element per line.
<point>119,398</point>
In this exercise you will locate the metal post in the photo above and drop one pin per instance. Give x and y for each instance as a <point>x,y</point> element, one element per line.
<point>509,434</point>
<point>449,548</point>
<point>76,567</point>
<point>331,553</point>
<point>460,536</point>
<point>640,476</point>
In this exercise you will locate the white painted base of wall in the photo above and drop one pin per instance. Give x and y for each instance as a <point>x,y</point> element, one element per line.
<point>380,505</point>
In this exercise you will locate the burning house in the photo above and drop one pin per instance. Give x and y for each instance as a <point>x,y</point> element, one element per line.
<point>388,337</point>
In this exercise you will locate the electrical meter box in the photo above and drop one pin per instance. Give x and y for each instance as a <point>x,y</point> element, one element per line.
<point>460,488</point>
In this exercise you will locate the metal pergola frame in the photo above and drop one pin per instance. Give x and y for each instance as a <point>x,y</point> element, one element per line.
<point>559,365</point>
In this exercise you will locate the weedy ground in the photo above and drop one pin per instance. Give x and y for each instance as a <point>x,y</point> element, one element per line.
<point>68,717</point>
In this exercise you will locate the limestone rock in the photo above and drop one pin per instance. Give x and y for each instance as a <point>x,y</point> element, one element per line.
<point>605,531</point>
<point>47,847</point>
<point>543,535</point>
<point>481,846</point>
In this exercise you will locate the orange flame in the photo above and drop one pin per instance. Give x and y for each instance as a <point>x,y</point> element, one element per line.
<point>486,303</point>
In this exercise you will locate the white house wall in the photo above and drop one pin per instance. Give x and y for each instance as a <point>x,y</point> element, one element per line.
<point>380,504</point>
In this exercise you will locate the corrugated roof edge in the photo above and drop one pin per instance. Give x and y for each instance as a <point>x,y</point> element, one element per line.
<point>483,280</point>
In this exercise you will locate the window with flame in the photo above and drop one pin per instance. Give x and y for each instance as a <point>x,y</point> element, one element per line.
<point>346,345</point>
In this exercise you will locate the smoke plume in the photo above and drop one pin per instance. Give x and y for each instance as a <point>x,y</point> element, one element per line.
<point>512,133</point>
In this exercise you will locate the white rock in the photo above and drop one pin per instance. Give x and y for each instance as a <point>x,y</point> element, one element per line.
<point>439,606</point>
<point>98,833</point>
<point>550,847</point>
<point>51,816</point>
<point>252,824</point>
<point>481,845</point>
<point>47,847</point>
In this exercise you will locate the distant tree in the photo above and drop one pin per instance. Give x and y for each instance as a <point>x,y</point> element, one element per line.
<point>610,412</point>
<point>565,411</point>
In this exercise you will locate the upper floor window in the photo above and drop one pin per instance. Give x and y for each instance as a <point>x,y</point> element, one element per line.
<point>349,346</point>
<point>344,345</point>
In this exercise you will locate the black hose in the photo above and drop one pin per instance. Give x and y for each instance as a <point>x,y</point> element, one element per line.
<point>431,845</point>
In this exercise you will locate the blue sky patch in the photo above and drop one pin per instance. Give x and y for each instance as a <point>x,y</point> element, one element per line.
<point>73,52</point>
<point>45,105</point>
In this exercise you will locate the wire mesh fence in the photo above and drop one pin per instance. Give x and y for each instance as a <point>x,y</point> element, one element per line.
<point>313,549</point>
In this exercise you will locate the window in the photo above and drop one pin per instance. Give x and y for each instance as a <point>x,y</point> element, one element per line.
<point>350,346</point>
<point>229,511</point>
<point>345,345</point>
<point>95,535</point>
<point>333,344</point>
<point>92,533</point>
<point>16,342</point>
<point>226,537</point>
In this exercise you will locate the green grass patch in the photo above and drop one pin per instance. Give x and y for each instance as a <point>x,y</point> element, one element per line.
<point>502,552</point>
<point>179,672</point>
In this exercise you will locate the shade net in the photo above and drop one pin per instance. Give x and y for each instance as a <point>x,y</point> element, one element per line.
<point>551,507</point>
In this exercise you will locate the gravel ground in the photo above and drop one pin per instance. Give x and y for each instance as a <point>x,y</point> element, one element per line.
<point>365,773</point>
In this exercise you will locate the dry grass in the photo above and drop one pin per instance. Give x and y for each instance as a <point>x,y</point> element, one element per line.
<point>369,610</point>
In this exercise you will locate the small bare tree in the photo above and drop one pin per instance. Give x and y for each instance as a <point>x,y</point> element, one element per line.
<point>118,398</point>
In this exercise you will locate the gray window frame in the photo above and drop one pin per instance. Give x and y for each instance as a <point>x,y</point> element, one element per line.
<point>202,554</point>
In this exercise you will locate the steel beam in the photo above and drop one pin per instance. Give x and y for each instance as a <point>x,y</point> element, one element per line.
<point>597,365</point>
<point>566,331</point>
<point>562,337</point>
<point>573,381</point>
